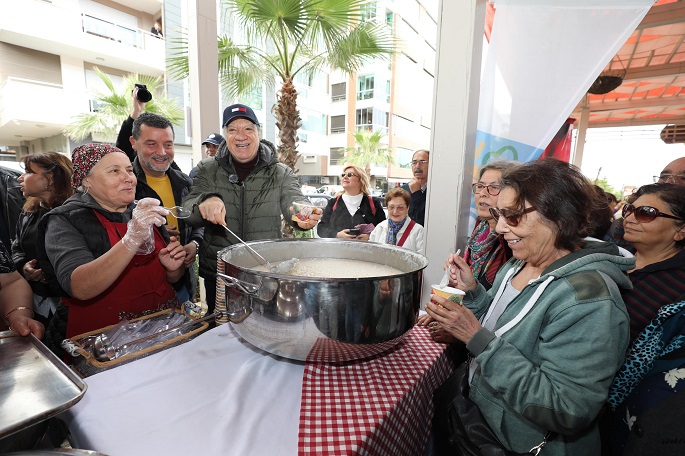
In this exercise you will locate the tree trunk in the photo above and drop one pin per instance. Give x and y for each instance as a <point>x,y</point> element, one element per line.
<point>288,121</point>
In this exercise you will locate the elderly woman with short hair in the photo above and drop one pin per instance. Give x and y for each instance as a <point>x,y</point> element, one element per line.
<point>399,229</point>
<point>546,340</point>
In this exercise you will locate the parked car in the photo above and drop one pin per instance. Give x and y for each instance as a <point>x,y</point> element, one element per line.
<point>318,199</point>
<point>330,189</point>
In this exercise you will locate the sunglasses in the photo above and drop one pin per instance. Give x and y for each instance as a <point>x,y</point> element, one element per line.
<point>349,174</point>
<point>645,214</point>
<point>491,189</point>
<point>512,218</point>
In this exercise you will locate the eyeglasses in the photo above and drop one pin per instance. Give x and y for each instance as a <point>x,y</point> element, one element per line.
<point>512,218</point>
<point>347,174</point>
<point>645,214</point>
<point>398,208</point>
<point>670,179</point>
<point>491,189</point>
<point>418,162</point>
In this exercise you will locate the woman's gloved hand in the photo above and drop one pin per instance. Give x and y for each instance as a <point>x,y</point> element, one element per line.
<point>139,237</point>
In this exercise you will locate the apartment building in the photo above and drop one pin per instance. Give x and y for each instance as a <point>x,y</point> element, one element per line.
<point>395,98</point>
<point>48,49</point>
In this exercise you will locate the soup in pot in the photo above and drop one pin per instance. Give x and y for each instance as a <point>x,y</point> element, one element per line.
<point>338,268</point>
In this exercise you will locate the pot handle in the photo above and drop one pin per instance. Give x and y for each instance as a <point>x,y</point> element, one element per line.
<point>245,287</point>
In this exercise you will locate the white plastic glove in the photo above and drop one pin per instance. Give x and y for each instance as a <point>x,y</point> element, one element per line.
<point>139,237</point>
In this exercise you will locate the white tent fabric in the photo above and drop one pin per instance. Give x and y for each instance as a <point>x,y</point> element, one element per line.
<point>542,58</point>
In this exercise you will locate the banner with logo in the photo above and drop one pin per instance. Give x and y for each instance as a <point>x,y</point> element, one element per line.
<point>542,57</point>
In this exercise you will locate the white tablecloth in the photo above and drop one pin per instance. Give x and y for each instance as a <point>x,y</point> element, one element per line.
<point>215,395</point>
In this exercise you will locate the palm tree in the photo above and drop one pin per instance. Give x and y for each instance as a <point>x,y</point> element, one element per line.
<point>368,149</point>
<point>288,37</point>
<point>115,107</point>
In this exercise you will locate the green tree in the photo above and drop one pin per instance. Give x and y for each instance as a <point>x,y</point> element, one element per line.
<point>288,37</point>
<point>369,149</point>
<point>114,107</point>
<point>604,185</point>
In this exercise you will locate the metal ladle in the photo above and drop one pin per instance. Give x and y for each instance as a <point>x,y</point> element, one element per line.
<point>280,268</point>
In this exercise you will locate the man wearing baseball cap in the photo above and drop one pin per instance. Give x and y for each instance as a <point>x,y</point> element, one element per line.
<point>245,188</point>
<point>212,144</point>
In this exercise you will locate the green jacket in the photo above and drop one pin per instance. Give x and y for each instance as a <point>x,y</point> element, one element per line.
<point>551,371</point>
<point>253,207</point>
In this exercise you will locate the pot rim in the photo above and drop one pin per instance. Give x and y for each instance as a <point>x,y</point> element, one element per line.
<point>269,274</point>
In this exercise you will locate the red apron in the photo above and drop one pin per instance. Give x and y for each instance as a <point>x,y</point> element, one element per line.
<point>142,288</point>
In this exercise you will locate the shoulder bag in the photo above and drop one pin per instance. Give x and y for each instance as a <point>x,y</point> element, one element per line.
<point>458,426</point>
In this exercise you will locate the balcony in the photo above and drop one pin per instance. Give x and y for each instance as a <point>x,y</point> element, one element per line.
<point>33,109</point>
<point>61,28</point>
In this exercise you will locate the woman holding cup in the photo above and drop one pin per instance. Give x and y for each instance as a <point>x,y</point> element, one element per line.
<point>544,320</point>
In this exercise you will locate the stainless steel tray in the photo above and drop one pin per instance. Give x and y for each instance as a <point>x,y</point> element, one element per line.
<point>34,384</point>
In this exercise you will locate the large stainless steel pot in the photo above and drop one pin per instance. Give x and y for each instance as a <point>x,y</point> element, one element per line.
<point>333,319</point>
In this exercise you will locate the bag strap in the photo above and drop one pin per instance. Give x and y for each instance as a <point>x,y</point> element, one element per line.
<point>405,235</point>
<point>373,206</point>
<point>538,448</point>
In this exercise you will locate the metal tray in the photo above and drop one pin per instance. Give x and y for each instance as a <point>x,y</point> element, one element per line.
<point>34,384</point>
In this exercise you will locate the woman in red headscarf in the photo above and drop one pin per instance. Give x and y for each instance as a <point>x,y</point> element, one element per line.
<point>112,258</point>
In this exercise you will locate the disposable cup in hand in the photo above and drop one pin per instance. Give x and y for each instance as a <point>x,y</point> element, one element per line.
<point>453,294</point>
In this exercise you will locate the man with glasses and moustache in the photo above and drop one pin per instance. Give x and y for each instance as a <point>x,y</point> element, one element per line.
<point>418,185</point>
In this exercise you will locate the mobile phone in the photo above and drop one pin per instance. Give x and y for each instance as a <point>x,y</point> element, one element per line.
<point>355,231</point>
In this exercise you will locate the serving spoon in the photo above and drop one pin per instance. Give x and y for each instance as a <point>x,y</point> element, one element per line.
<point>280,268</point>
<point>103,350</point>
<point>179,212</point>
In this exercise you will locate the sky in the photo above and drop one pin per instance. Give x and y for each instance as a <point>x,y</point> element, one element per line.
<point>627,155</point>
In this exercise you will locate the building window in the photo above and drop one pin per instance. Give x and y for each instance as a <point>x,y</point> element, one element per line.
<point>387,91</point>
<point>365,119</point>
<point>252,97</point>
<point>339,91</point>
<point>368,11</point>
<point>372,119</point>
<point>403,157</point>
<point>337,124</point>
<point>389,18</point>
<point>365,87</point>
<point>313,121</point>
<point>337,156</point>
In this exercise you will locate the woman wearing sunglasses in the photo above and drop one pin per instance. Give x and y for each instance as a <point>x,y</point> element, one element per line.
<point>655,225</point>
<point>354,208</point>
<point>546,340</point>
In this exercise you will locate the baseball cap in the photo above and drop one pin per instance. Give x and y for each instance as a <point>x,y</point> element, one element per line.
<point>214,138</point>
<point>237,111</point>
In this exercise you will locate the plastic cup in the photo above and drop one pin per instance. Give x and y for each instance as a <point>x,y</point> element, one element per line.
<point>453,294</point>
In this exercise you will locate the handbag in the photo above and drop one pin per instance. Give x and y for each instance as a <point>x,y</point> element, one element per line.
<point>458,425</point>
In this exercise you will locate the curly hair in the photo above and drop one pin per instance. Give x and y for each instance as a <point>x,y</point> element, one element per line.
<point>398,192</point>
<point>560,193</point>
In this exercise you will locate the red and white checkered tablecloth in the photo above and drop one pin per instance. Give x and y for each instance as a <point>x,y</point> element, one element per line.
<point>377,406</point>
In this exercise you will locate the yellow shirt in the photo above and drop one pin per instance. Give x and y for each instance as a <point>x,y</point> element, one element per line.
<point>162,186</point>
